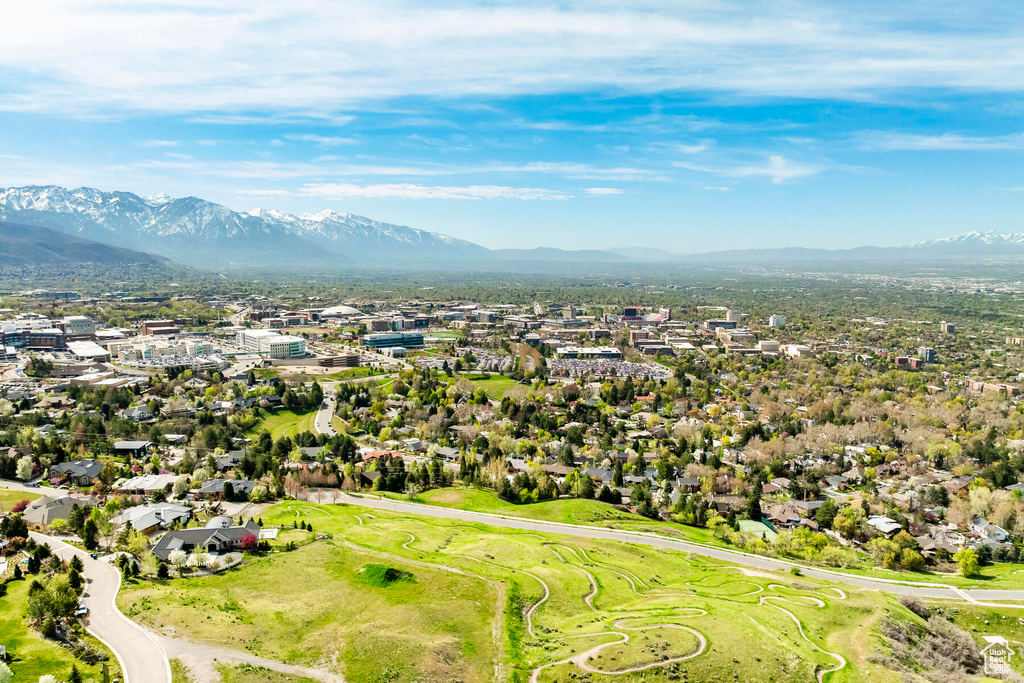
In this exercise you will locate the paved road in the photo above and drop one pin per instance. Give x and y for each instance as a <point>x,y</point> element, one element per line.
<point>322,422</point>
<point>141,658</point>
<point>922,590</point>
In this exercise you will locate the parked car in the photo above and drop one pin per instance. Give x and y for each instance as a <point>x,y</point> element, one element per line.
<point>82,610</point>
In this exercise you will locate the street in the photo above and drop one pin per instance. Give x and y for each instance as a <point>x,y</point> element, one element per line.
<point>141,658</point>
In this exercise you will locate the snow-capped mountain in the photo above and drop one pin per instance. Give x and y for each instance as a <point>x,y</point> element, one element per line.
<point>198,232</point>
<point>976,238</point>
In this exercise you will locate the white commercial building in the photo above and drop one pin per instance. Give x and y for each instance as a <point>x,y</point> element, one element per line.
<point>78,326</point>
<point>272,344</point>
<point>777,321</point>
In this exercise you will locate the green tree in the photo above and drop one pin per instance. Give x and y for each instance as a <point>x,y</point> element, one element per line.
<point>967,560</point>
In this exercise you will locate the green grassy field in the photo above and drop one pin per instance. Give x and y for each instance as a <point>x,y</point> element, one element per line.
<point>9,498</point>
<point>29,654</point>
<point>595,513</point>
<point>483,604</point>
<point>288,423</point>
<point>568,510</point>
<point>349,373</point>
<point>309,607</point>
<point>494,386</point>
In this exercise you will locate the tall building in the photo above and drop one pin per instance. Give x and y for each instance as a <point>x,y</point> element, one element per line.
<point>733,316</point>
<point>926,353</point>
<point>78,327</point>
<point>947,328</point>
<point>272,344</point>
<point>777,321</point>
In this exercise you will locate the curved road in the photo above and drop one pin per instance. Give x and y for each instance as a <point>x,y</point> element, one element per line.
<point>918,589</point>
<point>141,658</point>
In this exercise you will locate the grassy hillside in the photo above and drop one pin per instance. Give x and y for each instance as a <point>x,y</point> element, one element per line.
<point>453,601</point>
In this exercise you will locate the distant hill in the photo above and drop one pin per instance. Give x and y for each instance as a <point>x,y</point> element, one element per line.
<point>33,245</point>
<point>201,233</point>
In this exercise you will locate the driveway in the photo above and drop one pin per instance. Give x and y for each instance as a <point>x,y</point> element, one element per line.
<point>142,659</point>
<point>908,587</point>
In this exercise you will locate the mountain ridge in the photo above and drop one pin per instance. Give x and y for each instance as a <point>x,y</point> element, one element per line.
<point>179,228</point>
<point>200,233</point>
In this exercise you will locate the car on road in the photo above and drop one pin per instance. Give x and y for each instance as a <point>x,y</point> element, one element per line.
<point>82,610</point>
<point>94,556</point>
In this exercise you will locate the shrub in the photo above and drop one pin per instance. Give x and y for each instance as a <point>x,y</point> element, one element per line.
<point>916,606</point>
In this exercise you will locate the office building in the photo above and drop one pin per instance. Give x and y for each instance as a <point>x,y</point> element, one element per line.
<point>78,328</point>
<point>272,344</point>
<point>160,327</point>
<point>926,353</point>
<point>409,340</point>
<point>777,321</point>
<point>947,328</point>
<point>588,352</point>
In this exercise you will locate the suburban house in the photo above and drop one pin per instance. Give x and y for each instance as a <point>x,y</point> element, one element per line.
<point>133,449</point>
<point>214,488</point>
<point>41,512</point>
<point>137,413</point>
<point>884,525</point>
<point>986,530</point>
<point>80,472</point>
<point>147,484</point>
<point>153,517</point>
<point>212,540</point>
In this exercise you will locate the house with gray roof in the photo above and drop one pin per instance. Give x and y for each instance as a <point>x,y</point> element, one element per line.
<point>153,517</point>
<point>80,472</point>
<point>214,488</point>
<point>214,540</point>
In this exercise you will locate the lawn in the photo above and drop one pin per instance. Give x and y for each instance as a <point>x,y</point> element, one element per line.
<point>595,513</point>
<point>288,423</point>
<point>349,373</point>
<point>494,386</point>
<point>9,498</point>
<point>308,607</point>
<point>566,510</point>
<point>29,654</point>
<point>474,603</point>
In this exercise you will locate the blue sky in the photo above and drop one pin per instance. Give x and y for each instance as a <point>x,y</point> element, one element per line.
<point>689,126</point>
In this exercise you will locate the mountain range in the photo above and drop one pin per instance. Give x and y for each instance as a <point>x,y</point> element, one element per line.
<point>202,234</point>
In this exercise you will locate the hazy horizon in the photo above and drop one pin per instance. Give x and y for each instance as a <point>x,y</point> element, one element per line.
<point>574,126</point>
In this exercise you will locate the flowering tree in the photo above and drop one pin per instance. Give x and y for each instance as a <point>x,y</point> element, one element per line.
<point>250,543</point>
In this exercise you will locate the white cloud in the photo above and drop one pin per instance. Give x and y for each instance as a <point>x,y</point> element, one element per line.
<point>160,143</point>
<point>602,191</point>
<point>776,167</point>
<point>718,188</point>
<point>413,191</point>
<point>308,59</point>
<point>943,142</point>
<point>325,140</point>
